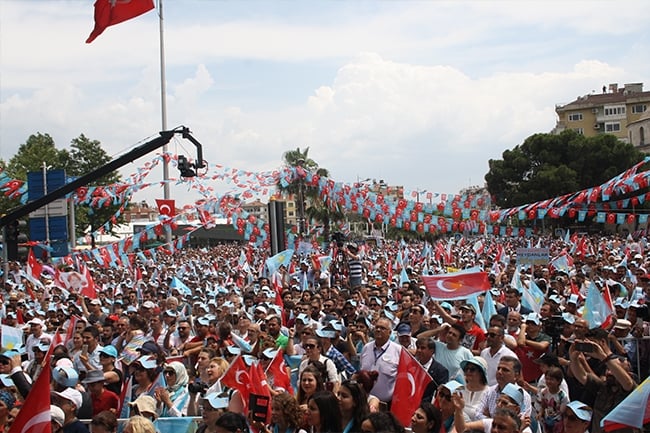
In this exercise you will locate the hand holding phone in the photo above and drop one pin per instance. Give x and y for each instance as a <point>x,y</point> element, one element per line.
<point>84,349</point>
<point>584,347</point>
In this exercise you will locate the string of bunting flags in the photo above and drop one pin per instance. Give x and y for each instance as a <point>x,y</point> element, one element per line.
<point>441,214</point>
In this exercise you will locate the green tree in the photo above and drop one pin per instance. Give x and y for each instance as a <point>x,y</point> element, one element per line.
<point>550,165</point>
<point>314,207</point>
<point>39,149</point>
<point>88,155</point>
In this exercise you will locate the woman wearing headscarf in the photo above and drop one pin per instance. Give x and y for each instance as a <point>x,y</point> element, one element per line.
<point>174,399</point>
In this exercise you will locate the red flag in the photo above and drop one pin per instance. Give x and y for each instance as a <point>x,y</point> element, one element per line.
<point>166,207</point>
<point>259,386</point>
<point>111,12</point>
<point>89,288</point>
<point>278,368</point>
<point>457,285</point>
<point>34,269</point>
<point>411,381</point>
<point>237,377</point>
<point>35,414</point>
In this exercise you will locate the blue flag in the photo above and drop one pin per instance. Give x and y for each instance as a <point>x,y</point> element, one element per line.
<point>282,258</point>
<point>176,283</point>
<point>489,308</point>
<point>634,411</point>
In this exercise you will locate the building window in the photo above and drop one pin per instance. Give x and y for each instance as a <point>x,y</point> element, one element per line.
<point>612,127</point>
<point>615,111</point>
<point>580,131</point>
<point>641,136</point>
<point>575,117</point>
<point>290,213</point>
<point>639,108</point>
<point>290,204</point>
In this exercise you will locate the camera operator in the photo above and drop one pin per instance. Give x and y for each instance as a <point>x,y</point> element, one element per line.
<point>355,266</point>
<point>607,390</point>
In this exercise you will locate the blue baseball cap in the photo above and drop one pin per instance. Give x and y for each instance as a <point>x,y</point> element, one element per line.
<point>109,350</point>
<point>515,392</point>
<point>65,376</point>
<point>580,410</point>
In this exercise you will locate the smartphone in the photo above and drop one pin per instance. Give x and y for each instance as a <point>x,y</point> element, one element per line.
<point>584,347</point>
<point>84,349</point>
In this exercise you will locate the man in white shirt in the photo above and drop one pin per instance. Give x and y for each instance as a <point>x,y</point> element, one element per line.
<point>495,349</point>
<point>382,355</point>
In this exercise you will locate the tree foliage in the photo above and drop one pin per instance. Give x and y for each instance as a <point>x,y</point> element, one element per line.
<point>550,165</point>
<point>315,208</point>
<point>85,156</point>
<point>88,155</point>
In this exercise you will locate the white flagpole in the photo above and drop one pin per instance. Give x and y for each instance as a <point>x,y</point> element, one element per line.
<point>163,109</point>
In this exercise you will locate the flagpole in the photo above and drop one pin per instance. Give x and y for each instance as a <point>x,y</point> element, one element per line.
<point>163,110</point>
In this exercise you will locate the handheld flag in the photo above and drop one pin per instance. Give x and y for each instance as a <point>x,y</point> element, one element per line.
<point>412,379</point>
<point>458,285</point>
<point>634,411</point>
<point>37,419</point>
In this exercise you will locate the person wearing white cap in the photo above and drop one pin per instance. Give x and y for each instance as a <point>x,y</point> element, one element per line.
<point>510,400</point>
<point>58,418</point>
<point>36,336</point>
<point>70,400</point>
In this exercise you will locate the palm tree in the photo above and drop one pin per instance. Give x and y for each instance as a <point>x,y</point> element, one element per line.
<point>309,201</point>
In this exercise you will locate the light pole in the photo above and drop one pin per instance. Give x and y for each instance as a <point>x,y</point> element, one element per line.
<point>47,214</point>
<point>301,200</point>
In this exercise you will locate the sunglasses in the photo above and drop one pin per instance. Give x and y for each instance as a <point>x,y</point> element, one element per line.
<point>4,361</point>
<point>309,346</point>
<point>170,373</point>
<point>471,368</point>
<point>444,396</point>
<point>492,334</point>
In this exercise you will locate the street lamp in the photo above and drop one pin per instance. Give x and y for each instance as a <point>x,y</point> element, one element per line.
<point>301,200</point>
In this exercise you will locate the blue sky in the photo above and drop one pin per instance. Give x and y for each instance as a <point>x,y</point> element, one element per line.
<point>418,93</point>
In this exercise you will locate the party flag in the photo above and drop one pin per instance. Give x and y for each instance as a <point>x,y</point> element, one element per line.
<point>634,411</point>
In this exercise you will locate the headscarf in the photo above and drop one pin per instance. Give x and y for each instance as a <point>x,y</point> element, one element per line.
<point>182,378</point>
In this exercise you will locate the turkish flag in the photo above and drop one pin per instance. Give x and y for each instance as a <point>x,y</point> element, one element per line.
<point>34,269</point>
<point>259,388</point>
<point>35,416</point>
<point>238,377</point>
<point>278,368</point>
<point>111,12</point>
<point>457,285</point>
<point>88,289</point>
<point>166,207</point>
<point>412,379</point>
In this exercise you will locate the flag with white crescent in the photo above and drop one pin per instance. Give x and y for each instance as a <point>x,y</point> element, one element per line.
<point>166,207</point>
<point>410,383</point>
<point>458,285</point>
<point>37,419</point>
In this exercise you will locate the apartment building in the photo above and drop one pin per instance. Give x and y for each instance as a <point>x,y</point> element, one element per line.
<point>622,112</point>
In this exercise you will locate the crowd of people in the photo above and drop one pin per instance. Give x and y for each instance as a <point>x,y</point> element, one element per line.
<point>159,337</point>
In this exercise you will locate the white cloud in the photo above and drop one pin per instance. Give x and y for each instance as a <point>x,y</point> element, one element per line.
<point>416,93</point>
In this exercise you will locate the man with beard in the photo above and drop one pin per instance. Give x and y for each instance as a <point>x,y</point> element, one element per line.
<point>607,390</point>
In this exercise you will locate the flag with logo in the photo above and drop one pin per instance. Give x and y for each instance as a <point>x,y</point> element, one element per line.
<point>410,383</point>
<point>458,285</point>
<point>282,258</point>
<point>597,310</point>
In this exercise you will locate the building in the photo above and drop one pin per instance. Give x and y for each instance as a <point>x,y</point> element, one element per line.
<point>611,112</point>
<point>639,132</point>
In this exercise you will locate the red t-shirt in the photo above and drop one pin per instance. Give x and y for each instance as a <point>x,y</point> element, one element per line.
<point>107,400</point>
<point>474,337</point>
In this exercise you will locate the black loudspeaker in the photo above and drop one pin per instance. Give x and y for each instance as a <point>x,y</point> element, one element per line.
<point>276,225</point>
